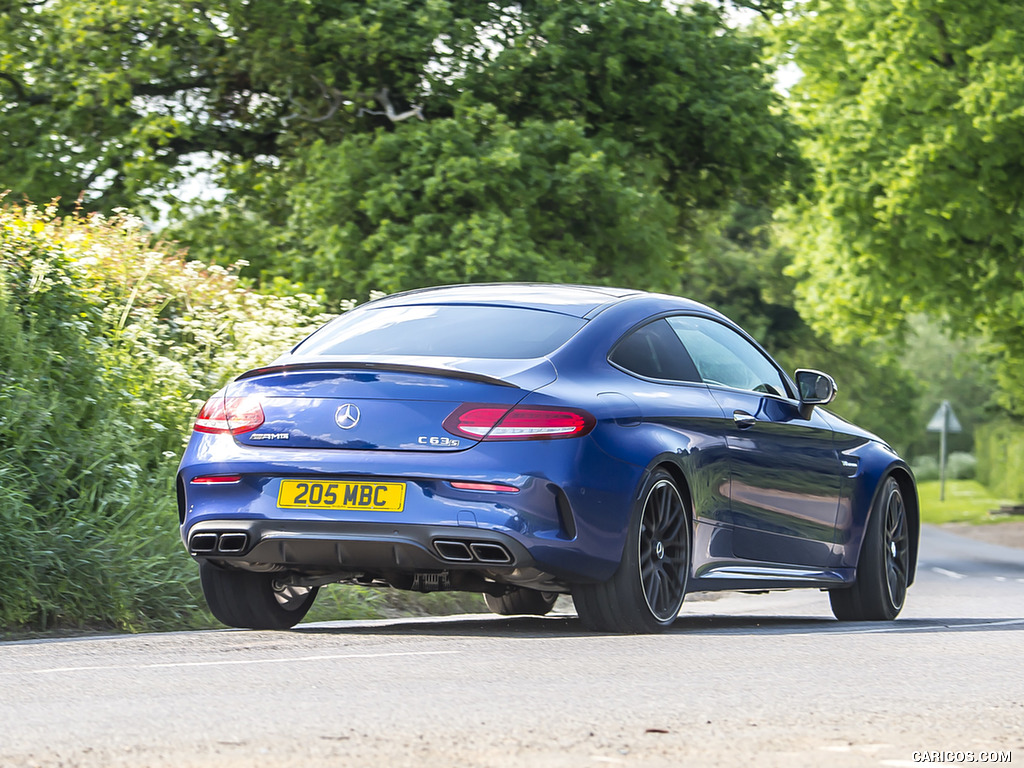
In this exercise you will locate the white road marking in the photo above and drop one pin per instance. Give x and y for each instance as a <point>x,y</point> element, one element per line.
<point>852,747</point>
<point>926,628</point>
<point>227,662</point>
<point>1000,578</point>
<point>950,574</point>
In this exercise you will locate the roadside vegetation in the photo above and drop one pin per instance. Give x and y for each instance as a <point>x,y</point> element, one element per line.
<point>110,342</point>
<point>224,178</point>
<point>967,501</point>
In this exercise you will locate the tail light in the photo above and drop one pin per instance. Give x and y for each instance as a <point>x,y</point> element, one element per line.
<point>234,415</point>
<point>480,421</point>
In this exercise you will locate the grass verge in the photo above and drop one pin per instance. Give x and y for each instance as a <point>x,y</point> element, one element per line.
<point>967,501</point>
<point>346,601</point>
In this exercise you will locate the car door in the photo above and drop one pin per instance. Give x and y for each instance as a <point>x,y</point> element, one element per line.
<point>785,470</point>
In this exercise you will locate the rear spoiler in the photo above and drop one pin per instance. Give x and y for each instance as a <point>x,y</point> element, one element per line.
<point>451,373</point>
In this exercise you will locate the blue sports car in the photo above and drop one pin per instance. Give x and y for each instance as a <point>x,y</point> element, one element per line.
<point>526,441</point>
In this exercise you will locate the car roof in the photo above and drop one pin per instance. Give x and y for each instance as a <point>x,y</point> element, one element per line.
<point>576,300</point>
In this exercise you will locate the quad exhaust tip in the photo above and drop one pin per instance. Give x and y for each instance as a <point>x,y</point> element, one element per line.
<point>486,552</point>
<point>212,542</point>
<point>454,550</point>
<point>473,551</point>
<point>232,543</point>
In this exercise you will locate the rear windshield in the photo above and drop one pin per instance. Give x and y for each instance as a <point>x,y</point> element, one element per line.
<point>456,330</point>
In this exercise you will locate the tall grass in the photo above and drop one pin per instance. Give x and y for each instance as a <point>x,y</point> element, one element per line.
<point>108,343</point>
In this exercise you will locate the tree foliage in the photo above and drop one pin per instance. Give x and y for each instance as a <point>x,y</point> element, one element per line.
<point>474,197</point>
<point>914,113</point>
<point>737,266</point>
<point>121,99</point>
<point>592,111</point>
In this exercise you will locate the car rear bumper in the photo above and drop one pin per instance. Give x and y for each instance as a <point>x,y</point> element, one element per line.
<point>363,548</point>
<point>567,520</point>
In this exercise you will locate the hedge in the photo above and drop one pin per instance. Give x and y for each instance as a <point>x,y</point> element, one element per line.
<point>108,343</point>
<point>999,448</point>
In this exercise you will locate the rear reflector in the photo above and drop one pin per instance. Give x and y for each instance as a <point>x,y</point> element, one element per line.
<point>481,421</point>
<point>216,479</point>
<point>236,415</point>
<point>497,487</point>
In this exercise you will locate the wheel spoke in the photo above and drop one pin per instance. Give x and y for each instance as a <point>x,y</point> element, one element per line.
<point>664,500</point>
<point>647,568</point>
<point>673,526</point>
<point>289,596</point>
<point>673,573</point>
<point>899,567</point>
<point>655,591</point>
<point>676,565</point>
<point>895,524</point>
<point>896,581</point>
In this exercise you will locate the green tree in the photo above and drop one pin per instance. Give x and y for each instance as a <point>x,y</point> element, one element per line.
<point>736,265</point>
<point>914,112</point>
<point>472,198</point>
<point>947,368</point>
<point>121,100</point>
<point>583,141</point>
<point>637,107</point>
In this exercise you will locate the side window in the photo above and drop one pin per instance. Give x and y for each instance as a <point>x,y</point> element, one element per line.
<point>654,351</point>
<point>724,357</point>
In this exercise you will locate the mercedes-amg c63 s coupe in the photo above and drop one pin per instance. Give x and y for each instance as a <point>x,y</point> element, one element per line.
<point>526,441</point>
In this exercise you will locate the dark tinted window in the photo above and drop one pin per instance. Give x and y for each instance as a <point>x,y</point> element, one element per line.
<point>655,351</point>
<point>456,330</point>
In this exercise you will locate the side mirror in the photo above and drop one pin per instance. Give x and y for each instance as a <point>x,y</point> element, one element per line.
<point>815,388</point>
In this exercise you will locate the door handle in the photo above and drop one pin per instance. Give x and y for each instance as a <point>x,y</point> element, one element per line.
<point>743,419</point>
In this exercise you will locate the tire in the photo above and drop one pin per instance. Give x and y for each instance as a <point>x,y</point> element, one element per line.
<point>880,588</point>
<point>520,601</point>
<point>648,587</point>
<point>253,600</point>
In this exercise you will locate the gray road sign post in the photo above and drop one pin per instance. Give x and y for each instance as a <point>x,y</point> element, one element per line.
<point>943,422</point>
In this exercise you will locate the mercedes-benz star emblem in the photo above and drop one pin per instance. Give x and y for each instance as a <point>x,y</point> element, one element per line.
<point>347,416</point>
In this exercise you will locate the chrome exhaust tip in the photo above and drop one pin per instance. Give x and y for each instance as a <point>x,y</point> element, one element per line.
<point>203,542</point>
<point>453,550</point>
<point>232,543</point>
<point>489,552</point>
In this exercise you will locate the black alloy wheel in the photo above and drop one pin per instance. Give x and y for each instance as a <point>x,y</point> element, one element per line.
<point>896,546</point>
<point>521,601</point>
<point>647,591</point>
<point>664,555</point>
<point>883,569</point>
<point>253,600</point>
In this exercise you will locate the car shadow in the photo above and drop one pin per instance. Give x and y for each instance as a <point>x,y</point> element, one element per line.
<point>528,627</point>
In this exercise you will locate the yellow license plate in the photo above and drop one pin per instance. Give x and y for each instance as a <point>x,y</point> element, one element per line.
<point>319,494</point>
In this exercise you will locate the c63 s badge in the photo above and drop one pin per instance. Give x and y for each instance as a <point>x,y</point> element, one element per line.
<point>438,442</point>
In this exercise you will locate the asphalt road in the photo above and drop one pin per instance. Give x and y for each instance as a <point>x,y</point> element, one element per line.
<point>766,680</point>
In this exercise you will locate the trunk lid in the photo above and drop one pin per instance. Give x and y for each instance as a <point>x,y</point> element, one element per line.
<point>386,406</point>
